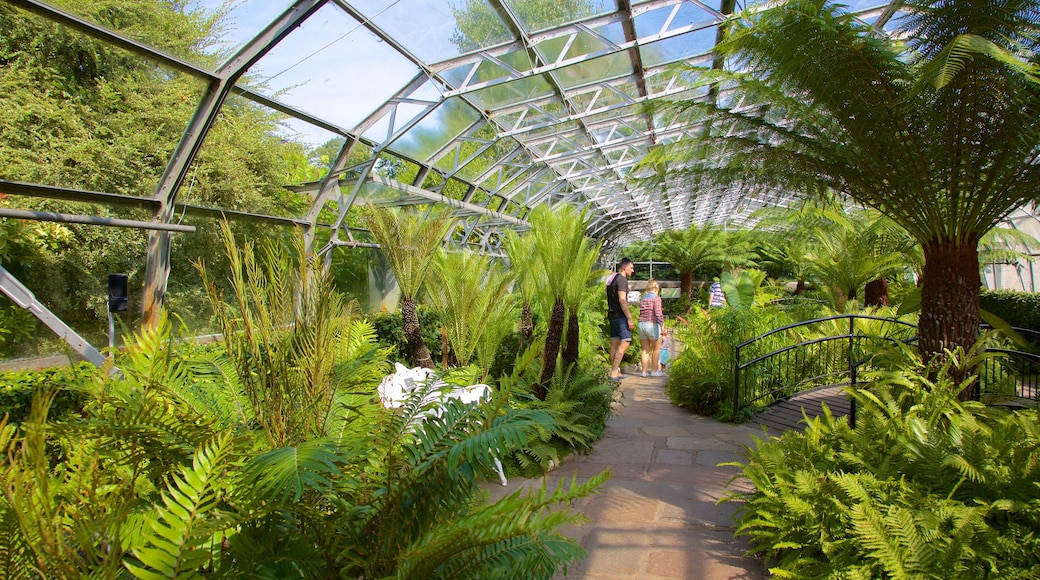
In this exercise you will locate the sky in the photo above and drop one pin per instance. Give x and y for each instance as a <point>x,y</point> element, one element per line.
<point>331,66</point>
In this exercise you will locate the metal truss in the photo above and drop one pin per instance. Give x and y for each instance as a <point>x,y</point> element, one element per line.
<point>553,113</point>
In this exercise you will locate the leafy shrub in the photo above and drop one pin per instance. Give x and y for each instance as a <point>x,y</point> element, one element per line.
<point>925,486</point>
<point>580,400</point>
<point>17,389</point>
<point>1021,309</point>
<point>701,376</point>
<point>390,330</point>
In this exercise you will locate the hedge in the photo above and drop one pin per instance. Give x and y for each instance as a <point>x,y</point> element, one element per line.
<point>1020,309</point>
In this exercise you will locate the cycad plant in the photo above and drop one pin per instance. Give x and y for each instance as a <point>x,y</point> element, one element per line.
<point>409,239</point>
<point>936,126</point>
<point>467,293</point>
<point>520,250</point>
<point>284,327</point>
<point>560,251</point>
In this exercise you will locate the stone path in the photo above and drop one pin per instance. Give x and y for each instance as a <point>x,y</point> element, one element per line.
<point>656,518</point>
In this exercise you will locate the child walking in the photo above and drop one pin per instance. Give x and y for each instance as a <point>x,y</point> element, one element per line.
<point>666,350</point>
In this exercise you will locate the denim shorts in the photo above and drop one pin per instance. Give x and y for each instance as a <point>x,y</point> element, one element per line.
<point>619,329</point>
<point>649,330</point>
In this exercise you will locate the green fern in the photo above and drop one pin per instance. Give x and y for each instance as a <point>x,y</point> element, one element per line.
<point>184,528</point>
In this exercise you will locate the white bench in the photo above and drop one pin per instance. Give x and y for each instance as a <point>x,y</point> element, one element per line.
<point>395,389</point>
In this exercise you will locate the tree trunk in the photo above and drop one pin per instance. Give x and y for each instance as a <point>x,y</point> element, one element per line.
<point>949,302</point>
<point>570,350</point>
<point>799,287</point>
<point>686,285</point>
<point>875,293</point>
<point>526,326</point>
<point>552,349</point>
<point>413,334</point>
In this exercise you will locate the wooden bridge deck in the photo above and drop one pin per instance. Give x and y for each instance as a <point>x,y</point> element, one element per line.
<point>786,414</point>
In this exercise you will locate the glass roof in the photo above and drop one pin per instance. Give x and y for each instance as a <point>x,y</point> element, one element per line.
<point>491,106</point>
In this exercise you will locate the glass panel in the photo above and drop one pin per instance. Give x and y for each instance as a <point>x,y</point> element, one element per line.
<point>605,67</point>
<point>678,48</point>
<point>191,33</point>
<point>488,70</point>
<point>511,93</point>
<point>80,114</point>
<point>539,14</point>
<point>66,267</point>
<point>332,68</point>
<point>652,23</point>
<point>426,28</point>
<point>477,26</point>
<point>487,159</point>
<point>583,43</point>
<point>446,122</point>
<point>250,177</point>
<point>631,111</point>
<point>861,5</point>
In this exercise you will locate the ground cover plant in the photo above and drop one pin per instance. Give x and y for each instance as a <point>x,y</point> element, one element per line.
<point>925,486</point>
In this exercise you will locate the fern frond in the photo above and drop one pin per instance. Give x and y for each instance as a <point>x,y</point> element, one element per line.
<point>283,475</point>
<point>182,529</point>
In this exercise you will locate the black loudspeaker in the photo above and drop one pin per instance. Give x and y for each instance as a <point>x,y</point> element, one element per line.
<point>118,298</point>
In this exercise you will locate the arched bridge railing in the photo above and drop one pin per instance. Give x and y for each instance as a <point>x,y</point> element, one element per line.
<point>778,363</point>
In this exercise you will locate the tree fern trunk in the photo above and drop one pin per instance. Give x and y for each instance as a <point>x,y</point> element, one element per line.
<point>686,284</point>
<point>570,351</point>
<point>876,293</point>
<point>526,325</point>
<point>949,301</point>
<point>799,287</point>
<point>413,334</point>
<point>552,349</point>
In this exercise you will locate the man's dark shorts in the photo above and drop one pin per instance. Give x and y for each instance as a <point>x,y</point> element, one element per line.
<point>619,329</point>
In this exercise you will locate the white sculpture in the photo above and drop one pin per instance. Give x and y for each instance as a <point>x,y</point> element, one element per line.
<point>395,389</point>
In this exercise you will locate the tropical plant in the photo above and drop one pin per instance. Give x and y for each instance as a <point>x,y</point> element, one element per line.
<point>520,250</point>
<point>741,286</point>
<point>934,125</point>
<point>409,240</point>
<point>692,249</point>
<point>468,294</point>
<point>700,377</point>
<point>168,471</point>
<point>284,332</point>
<point>583,275</point>
<point>561,252</point>
<point>924,486</point>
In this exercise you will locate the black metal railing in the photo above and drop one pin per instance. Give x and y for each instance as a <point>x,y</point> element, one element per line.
<point>767,370</point>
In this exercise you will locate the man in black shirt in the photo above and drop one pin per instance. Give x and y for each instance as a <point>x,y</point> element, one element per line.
<point>620,317</point>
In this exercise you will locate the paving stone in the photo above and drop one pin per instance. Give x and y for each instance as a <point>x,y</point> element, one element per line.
<point>714,458</point>
<point>673,457</point>
<point>657,517</point>
<point>699,443</point>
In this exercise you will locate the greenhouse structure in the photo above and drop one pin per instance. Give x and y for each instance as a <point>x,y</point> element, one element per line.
<point>522,289</point>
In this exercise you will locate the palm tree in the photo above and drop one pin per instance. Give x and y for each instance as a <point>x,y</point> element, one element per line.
<point>409,241</point>
<point>939,132</point>
<point>691,249</point>
<point>845,248</point>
